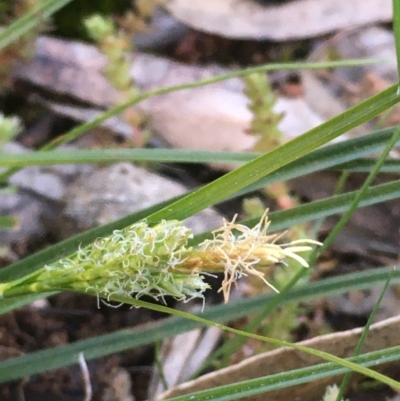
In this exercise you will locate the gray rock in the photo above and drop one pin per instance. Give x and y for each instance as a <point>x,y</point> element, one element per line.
<point>113,192</point>
<point>164,31</point>
<point>67,199</point>
<point>50,182</point>
<point>28,211</point>
<point>37,198</point>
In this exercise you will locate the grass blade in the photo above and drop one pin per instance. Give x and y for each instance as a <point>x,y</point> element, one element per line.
<point>279,381</point>
<point>66,355</point>
<point>39,12</point>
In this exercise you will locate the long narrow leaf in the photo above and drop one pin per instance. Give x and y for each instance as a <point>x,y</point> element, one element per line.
<point>258,168</point>
<point>328,156</point>
<point>7,305</point>
<point>291,378</point>
<point>276,342</point>
<point>78,156</point>
<point>357,197</point>
<point>365,165</point>
<point>363,337</point>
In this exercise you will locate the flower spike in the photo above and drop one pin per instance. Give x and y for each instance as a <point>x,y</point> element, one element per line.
<point>156,261</point>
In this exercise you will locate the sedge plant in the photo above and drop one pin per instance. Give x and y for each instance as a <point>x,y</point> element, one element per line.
<point>153,256</point>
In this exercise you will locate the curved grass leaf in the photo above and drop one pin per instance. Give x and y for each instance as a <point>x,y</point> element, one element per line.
<point>100,346</point>
<point>276,342</point>
<point>77,132</point>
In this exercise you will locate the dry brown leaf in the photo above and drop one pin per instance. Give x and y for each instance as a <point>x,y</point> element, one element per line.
<point>381,335</point>
<point>181,356</point>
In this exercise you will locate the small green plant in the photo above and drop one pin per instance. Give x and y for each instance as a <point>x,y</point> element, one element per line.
<point>115,44</point>
<point>116,41</point>
<point>265,119</point>
<point>265,126</point>
<point>10,127</point>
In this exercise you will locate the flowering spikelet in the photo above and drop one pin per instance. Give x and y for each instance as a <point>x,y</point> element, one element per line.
<point>155,261</point>
<point>241,255</point>
<point>138,260</point>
